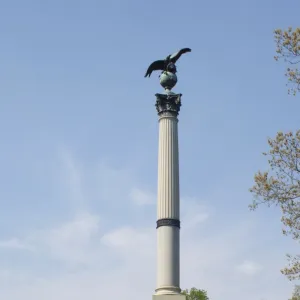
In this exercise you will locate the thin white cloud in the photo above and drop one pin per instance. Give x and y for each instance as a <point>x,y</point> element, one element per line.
<point>71,177</point>
<point>249,268</point>
<point>129,253</point>
<point>206,262</point>
<point>194,212</point>
<point>121,261</point>
<point>72,241</point>
<point>194,220</point>
<point>140,197</point>
<point>131,242</point>
<point>15,243</point>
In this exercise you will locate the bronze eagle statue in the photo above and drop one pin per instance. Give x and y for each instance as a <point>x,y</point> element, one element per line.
<point>163,64</point>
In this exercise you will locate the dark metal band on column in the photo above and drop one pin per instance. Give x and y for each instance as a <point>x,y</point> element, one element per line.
<point>167,222</point>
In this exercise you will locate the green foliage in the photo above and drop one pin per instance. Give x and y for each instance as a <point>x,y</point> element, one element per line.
<point>280,186</point>
<point>296,293</point>
<point>288,48</point>
<point>195,294</point>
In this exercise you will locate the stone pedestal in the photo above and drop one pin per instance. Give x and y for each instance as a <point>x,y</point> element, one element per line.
<point>168,208</point>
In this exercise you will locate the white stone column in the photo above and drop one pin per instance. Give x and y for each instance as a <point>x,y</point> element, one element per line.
<point>168,198</point>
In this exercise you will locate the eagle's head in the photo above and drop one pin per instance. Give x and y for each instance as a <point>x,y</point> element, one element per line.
<point>168,57</point>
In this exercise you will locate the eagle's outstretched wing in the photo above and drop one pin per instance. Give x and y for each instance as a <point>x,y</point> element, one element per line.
<point>174,57</point>
<point>157,65</point>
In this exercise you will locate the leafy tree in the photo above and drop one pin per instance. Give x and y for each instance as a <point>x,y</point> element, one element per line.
<point>296,293</point>
<point>281,187</point>
<point>288,48</point>
<point>195,294</point>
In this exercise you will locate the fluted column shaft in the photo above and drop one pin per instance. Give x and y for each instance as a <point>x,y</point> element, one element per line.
<point>168,208</point>
<point>168,169</point>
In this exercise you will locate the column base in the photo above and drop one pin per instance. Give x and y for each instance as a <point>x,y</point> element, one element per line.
<point>169,297</point>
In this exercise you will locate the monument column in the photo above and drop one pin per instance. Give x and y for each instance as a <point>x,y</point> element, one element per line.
<point>168,196</point>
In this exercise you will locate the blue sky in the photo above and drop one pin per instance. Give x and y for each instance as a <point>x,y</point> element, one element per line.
<point>79,132</point>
